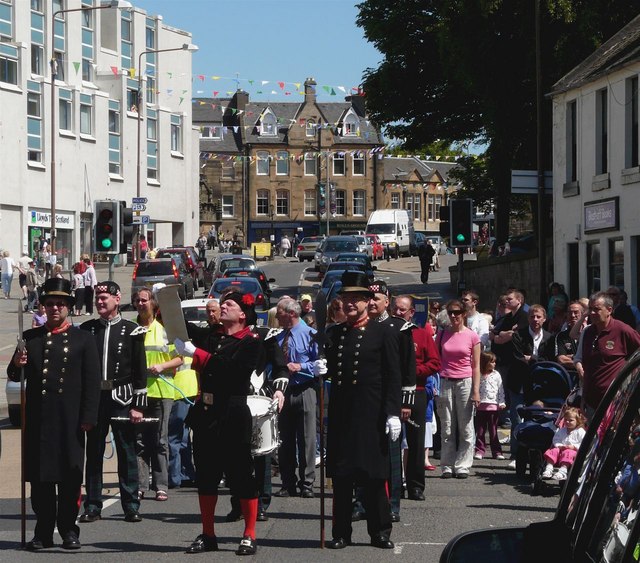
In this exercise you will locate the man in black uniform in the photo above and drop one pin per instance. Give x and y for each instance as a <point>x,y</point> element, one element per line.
<point>62,372</point>
<point>221,420</point>
<point>363,363</point>
<point>124,395</point>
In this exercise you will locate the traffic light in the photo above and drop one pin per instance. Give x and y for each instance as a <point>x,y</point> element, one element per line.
<point>126,227</point>
<point>461,222</point>
<point>322,198</point>
<point>444,221</point>
<point>107,227</point>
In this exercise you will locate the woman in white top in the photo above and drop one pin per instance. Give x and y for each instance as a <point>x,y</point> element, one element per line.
<point>7,264</point>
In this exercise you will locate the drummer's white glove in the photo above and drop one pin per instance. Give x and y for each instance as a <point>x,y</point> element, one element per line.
<point>393,427</point>
<point>184,348</point>
<point>320,367</point>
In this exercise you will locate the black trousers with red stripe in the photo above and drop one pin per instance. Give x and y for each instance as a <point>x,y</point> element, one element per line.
<point>59,509</point>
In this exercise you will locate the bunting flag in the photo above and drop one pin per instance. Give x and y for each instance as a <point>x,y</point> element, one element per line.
<point>114,69</point>
<point>76,65</point>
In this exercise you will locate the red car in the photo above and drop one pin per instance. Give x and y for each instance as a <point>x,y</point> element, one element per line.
<point>378,249</point>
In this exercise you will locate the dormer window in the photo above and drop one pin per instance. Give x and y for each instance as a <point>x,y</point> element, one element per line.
<point>311,128</point>
<point>268,124</point>
<point>211,131</point>
<point>351,125</point>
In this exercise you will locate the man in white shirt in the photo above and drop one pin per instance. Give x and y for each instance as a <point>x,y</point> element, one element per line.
<point>476,321</point>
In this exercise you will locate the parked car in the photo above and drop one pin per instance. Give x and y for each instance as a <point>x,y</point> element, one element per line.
<point>331,247</point>
<point>195,311</point>
<point>189,257</point>
<point>221,262</point>
<point>245,285</point>
<point>376,247</point>
<point>170,271</point>
<point>594,520</point>
<point>331,284</point>
<point>257,273</point>
<point>352,257</point>
<point>308,246</point>
<point>364,245</point>
<point>344,266</point>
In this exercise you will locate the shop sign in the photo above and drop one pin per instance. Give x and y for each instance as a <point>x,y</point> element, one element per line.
<point>43,219</point>
<point>602,215</point>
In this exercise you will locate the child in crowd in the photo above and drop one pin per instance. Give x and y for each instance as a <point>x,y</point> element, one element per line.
<point>432,389</point>
<point>566,442</point>
<point>39,316</point>
<point>491,402</point>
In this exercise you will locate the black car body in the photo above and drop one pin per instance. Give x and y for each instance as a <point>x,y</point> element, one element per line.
<point>189,257</point>
<point>170,271</point>
<point>243,284</point>
<point>257,273</point>
<point>216,267</point>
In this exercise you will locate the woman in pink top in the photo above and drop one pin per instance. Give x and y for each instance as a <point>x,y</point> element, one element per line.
<point>459,349</point>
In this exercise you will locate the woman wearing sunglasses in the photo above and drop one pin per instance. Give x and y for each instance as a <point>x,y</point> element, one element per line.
<point>459,349</point>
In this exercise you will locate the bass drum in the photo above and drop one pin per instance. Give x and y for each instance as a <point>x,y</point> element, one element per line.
<point>264,435</point>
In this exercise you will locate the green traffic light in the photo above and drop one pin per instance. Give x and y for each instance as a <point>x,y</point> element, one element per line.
<point>106,243</point>
<point>460,237</point>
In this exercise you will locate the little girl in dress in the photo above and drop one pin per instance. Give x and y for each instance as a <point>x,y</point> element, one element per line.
<point>566,441</point>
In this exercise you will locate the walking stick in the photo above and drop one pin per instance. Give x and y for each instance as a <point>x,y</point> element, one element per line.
<point>23,488</point>
<point>320,337</point>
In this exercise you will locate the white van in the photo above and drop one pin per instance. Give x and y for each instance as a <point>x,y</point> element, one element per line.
<point>393,227</point>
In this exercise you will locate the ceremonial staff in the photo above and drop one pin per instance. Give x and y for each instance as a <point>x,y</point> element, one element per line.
<point>23,492</point>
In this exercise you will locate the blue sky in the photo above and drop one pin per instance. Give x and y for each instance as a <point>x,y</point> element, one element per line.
<point>271,40</point>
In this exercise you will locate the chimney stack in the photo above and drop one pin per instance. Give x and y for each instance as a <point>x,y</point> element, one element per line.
<point>241,99</point>
<point>310,91</point>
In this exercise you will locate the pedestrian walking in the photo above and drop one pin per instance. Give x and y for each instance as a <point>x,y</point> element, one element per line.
<point>7,265</point>
<point>90,282</point>
<point>285,245</point>
<point>426,252</point>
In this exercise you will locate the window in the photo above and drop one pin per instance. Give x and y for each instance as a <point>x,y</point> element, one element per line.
<point>152,144</point>
<point>126,40</point>
<point>37,39</point>
<point>36,6</point>
<point>211,132</point>
<point>310,163</point>
<point>65,109</point>
<point>310,128</point>
<point>338,164</point>
<point>415,206</point>
<point>572,141</point>
<point>395,201</point>
<point>593,267</point>
<point>616,262</point>
<point>268,124</point>
<point>359,204</point>
<point>262,202</point>
<point>350,127</point>
<point>6,19</point>
<point>601,132</point>
<point>431,208</point>
<point>341,202</point>
<point>438,206</point>
<point>87,42</point>
<point>37,60</point>
<point>310,202</point>
<point>150,69</point>
<point>59,66</point>
<point>176,133</point>
<point>262,163</point>
<point>227,205</point>
<point>358,163</point>
<point>34,122</point>
<point>115,162</point>
<point>282,202</point>
<point>282,163</point>
<point>228,169</point>
<point>8,64</point>
<point>631,149</point>
<point>86,114</point>
<point>132,95</point>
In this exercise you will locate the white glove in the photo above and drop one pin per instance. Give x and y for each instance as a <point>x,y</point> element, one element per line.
<point>393,427</point>
<point>184,348</point>
<point>320,367</point>
<point>157,287</point>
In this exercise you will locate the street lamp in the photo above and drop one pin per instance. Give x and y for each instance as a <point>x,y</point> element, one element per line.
<point>119,4</point>
<point>141,102</point>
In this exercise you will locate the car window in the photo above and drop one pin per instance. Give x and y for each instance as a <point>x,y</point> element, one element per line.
<point>381,228</point>
<point>163,268</point>
<point>194,314</point>
<point>236,263</point>
<point>246,285</point>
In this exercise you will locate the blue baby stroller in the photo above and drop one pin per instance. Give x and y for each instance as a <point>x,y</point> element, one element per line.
<point>550,385</point>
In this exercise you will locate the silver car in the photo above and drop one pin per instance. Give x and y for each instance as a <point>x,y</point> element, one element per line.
<point>331,247</point>
<point>307,248</point>
<point>170,271</point>
<point>364,245</point>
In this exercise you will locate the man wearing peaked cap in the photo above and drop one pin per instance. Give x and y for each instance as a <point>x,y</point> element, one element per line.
<point>308,315</point>
<point>363,364</point>
<point>124,395</point>
<point>62,372</point>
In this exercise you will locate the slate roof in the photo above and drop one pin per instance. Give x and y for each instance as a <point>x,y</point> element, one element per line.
<point>618,51</point>
<point>210,112</point>
<point>399,168</point>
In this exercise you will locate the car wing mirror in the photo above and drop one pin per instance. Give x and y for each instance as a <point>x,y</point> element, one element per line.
<point>501,545</point>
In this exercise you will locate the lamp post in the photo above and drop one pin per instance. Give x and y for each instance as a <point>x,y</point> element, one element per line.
<point>141,102</point>
<point>119,4</point>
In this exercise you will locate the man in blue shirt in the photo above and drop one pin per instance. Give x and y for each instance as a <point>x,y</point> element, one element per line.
<point>298,415</point>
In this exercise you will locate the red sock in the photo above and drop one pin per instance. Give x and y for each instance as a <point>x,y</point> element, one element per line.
<point>207,513</point>
<point>250,513</point>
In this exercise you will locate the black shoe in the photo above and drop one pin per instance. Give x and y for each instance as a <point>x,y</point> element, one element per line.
<point>462,475</point>
<point>89,516</point>
<point>234,516</point>
<point>262,516</point>
<point>247,546</point>
<point>382,542</point>
<point>307,493</point>
<point>395,517</point>
<point>357,516</point>
<point>132,516</point>
<point>338,543</point>
<point>284,493</point>
<point>188,483</point>
<point>71,541</point>
<point>416,494</point>
<point>37,544</point>
<point>203,543</point>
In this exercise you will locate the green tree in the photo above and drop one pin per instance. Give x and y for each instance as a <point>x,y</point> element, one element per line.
<point>464,70</point>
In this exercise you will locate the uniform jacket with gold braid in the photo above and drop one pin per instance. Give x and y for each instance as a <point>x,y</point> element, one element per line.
<point>407,357</point>
<point>123,364</point>
<point>62,392</point>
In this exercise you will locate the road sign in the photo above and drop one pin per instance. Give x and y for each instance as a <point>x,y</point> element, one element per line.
<point>139,200</point>
<point>140,219</point>
<point>525,182</point>
<point>138,207</point>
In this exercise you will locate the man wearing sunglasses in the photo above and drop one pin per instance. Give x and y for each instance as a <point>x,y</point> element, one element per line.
<point>62,372</point>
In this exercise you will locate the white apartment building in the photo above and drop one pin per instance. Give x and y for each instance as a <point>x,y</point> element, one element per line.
<point>95,127</point>
<point>596,169</point>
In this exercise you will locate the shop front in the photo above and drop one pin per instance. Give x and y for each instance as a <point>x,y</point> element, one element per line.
<point>39,225</point>
<point>259,230</point>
